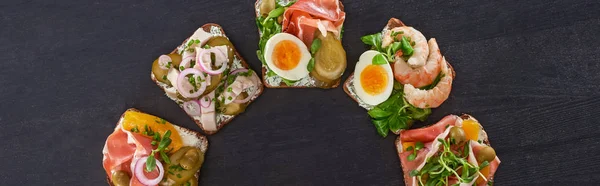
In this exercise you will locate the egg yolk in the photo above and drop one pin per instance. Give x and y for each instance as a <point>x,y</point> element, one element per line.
<point>286,55</point>
<point>486,172</point>
<point>374,79</point>
<point>471,128</point>
<point>137,122</point>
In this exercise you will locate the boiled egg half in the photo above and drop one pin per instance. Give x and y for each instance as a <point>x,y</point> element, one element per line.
<point>287,56</point>
<point>373,84</point>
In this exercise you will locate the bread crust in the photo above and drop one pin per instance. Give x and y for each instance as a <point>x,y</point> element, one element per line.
<point>206,27</point>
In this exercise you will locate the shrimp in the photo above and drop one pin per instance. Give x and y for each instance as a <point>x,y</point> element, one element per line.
<point>421,50</point>
<point>434,97</point>
<point>420,76</point>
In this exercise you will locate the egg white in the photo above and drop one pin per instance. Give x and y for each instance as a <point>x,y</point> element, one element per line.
<point>298,72</point>
<point>365,60</point>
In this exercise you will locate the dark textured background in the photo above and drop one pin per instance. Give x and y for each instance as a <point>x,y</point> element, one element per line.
<point>528,70</point>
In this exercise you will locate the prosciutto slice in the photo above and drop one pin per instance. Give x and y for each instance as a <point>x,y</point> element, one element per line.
<point>428,136</point>
<point>122,148</point>
<point>304,17</point>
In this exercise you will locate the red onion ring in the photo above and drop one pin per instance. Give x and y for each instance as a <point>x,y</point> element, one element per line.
<point>205,101</point>
<point>139,172</point>
<point>163,61</point>
<point>209,69</point>
<point>192,108</point>
<point>182,79</point>
<point>185,61</point>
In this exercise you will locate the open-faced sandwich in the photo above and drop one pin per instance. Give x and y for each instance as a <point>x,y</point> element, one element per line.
<point>147,150</point>
<point>454,151</point>
<point>400,78</point>
<point>300,42</point>
<point>207,78</point>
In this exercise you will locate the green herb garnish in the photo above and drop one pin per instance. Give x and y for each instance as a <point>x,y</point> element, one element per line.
<point>311,65</point>
<point>288,82</point>
<point>407,49</point>
<point>135,129</point>
<point>162,147</point>
<point>379,59</point>
<point>314,47</point>
<point>447,163</point>
<point>396,113</point>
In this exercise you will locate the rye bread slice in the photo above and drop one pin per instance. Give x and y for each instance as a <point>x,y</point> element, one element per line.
<point>392,23</point>
<point>335,84</point>
<point>203,145</point>
<point>398,146</point>
<point>207,28</point>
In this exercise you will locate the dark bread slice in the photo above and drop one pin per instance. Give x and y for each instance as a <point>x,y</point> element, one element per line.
<point>203,146</point>
<point>392,23</point>
<point>207,28</point>
<point>282,84</point>
<point>398,146</point>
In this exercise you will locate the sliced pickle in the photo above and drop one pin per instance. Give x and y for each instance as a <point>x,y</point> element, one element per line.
<point>161,74</point>
<point>330,60</point>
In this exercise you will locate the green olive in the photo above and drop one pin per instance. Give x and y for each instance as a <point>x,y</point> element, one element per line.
<point>266,6</point>
<point>330,60</point>
<point>235,108</point>
<point>190,159</point>
<point>220,41</point>
<point>120,178</point>
<point>458,134</point>
<point>161,74</point>
<point>486,154</point>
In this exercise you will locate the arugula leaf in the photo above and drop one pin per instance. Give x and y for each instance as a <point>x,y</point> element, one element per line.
<point>379,113</point>
<point>288,82</point>
<point>379,59</point>
<point>276,12</point>
<point>374,40</point>
<point>311,65</point>
<point>314,47</point>
<point>381,126</point>
<point>282,3</point>
<point>407,49</point>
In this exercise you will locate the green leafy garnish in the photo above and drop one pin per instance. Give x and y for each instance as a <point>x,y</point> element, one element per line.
<point>314,47</point>
<point>288,82</point>
<point>407,49</point>
<point>135,129</point>
<point>162,147</point>
<point>374,40</point>
<point>379,59</point>
<point>396,114</point>
<point>434,83</point>
<point>282,3</point>
<point>311,65</point>
<point>447,163</point>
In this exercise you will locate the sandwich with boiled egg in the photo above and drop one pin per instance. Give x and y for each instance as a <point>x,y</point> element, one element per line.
<point>300,43</point>
<point>400,78</point>
<point>454,151</point>
<point>147,150</point>
<point>207,78</point>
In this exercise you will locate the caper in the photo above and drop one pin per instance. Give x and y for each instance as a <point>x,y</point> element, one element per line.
<point>458,134</point>
<point>189,159</point>
<point>120,178</point>
<point>486,154</point>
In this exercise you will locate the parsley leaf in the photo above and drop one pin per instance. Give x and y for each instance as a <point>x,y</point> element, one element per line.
<point>379,59</point>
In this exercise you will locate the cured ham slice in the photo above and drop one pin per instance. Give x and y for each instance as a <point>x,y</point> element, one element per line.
<point>304,17</point>
<point>121,148</point>
<point>428,136</point>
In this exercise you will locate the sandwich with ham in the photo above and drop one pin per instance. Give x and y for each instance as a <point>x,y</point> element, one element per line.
<point>454,151</point>
<point>208,78</point>
<point>147,150</point>
<point>301,43</point>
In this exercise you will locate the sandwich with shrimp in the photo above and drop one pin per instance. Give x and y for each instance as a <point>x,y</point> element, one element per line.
<point>454,151</point>
<point>400,78</point>
<point>208,78</point>
<point>301,43</point>
<point>147,150</point>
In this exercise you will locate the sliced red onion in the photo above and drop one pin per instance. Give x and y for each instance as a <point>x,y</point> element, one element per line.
<point>163,61</point>
<point>181,80</point>
<point>206,66</point>
<point>139,172</point>
<point>192,108</point>
<point>186,61</point>
<point>205,101</point>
